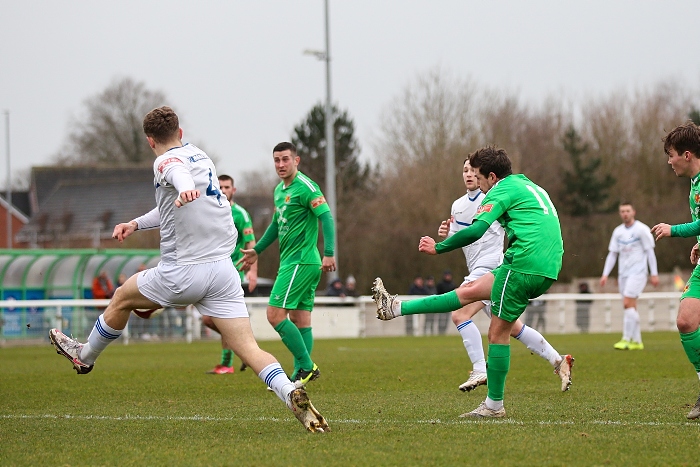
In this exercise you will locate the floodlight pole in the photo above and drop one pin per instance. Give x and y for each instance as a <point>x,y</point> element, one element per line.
<point>8,187</point>
<point>330,191</point>
<point>330,145</point>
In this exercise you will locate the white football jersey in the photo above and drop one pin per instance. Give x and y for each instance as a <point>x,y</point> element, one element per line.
<point>631,243</point>
<point>201,231</point>
<point>487,252</point>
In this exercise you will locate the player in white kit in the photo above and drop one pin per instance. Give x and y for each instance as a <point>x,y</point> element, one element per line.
<point>633,243</point>
<point>483,256</point>
<point>197,239</point>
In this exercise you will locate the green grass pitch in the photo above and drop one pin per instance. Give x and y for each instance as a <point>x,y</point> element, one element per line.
<point>389,401</point>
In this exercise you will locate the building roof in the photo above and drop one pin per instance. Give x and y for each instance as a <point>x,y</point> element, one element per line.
<point>79,200</point>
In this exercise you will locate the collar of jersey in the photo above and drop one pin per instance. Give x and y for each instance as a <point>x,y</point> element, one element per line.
<point>176,147</point>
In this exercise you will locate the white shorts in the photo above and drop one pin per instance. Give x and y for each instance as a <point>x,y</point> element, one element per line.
<point>632,286</point>
<point>474,275</point>
<point>213,288</point>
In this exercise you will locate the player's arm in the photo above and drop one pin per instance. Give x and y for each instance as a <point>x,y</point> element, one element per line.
<point>609,265</point>
<point>653,269</point>
<point>327,227</point>
<point>150,220</point>
<point>463,237</point>
<point>691,229</point>
<point>175,172</point>
<point>252,274</point>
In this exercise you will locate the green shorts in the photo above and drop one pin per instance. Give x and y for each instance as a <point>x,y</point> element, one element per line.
<point>692,287</point>
<point>512,291</point>
<point>295,287</point>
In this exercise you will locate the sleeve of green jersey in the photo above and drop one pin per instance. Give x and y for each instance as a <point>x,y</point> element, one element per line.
<point>328,234</point>
<point>268,237</point>
<point>248,232</point>
<point>493,206</point>
<point>691,229</point>
<point>317,203</point>
<point>463,237</point>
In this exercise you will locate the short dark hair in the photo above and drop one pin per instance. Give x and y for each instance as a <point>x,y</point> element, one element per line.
<point>226,178</point>
<point>683,138</point>
<point>624,202</point>
<point>285,146</point>
<point>161,124</point>
<point>491,159</point>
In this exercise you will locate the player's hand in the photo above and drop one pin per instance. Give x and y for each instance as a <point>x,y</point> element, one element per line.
<point>654,280</point>
<point>121,231</point>
<point>444,229</point>
<point>328,264</point>
<point>695,254</point>
<point>603,280</point>
<point>186,197</point>
<point>252,277</point>
<point>660,231</point>
<point>249,258</point>
<point>427,246</point>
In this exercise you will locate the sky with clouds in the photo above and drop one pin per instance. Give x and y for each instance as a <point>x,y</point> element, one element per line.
<point>236,73</point>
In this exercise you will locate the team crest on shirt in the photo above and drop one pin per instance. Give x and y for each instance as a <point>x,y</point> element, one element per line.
<point>685,289</point>
<point>696,197</point>
<point>167,161</point>
<point>287,199</point>
<point>317,202</point>
<point>484,208</point>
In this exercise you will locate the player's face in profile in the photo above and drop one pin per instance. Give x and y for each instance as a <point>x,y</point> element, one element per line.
<point>226,188</point>
<point>285,163</point>
<point>469,176</point>
<point>677,163</point>
<point>485,183</point>
<point>627,213</point>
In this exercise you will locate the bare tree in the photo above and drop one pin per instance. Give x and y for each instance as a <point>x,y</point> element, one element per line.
<point>109,131</point>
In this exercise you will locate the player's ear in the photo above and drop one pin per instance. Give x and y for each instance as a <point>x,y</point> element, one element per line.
<point>151,142</point>
<point>181,132</point>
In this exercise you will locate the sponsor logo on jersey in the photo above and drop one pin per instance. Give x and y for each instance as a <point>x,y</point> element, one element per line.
<point>317,202</point>
<point>167,161</point>
<point>248,231</point>
<point>484,208</point>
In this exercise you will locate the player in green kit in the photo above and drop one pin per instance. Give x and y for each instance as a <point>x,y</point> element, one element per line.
<point>299,206</point>
<point>245,239</point>
<point>682,145</point>
<point>530,265</point>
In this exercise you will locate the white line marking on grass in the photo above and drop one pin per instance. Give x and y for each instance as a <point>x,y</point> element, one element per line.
<point>200,418</point>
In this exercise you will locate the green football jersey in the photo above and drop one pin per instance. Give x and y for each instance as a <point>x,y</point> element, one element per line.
<point>244,228</point>
<point>535,244</point>
<point>297,208</point>
<point>694,200</point>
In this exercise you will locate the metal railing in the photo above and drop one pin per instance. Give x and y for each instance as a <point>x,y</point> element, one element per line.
<point>27,321</point>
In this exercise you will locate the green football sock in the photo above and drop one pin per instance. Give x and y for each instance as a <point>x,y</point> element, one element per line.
<point>227,357</point>
<point>432,304</point>
<point>292,338</point>
<point>691,345</point>
<point>308,337</point>
<point>497,366</point>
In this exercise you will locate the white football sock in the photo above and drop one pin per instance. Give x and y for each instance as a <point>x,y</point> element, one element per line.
<point>493,405</point>
<point>628,324</point>
<point>100,337</point>
<point>538,345</point>
<point>274,376</point>
<point>471,337</point>
<point>636,329</point>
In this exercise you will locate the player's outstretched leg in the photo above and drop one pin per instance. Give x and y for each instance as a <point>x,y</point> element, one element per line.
<point>563,369</point>
<point>695,411</point>
<point>69,348</point>
<point>388,306</point>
